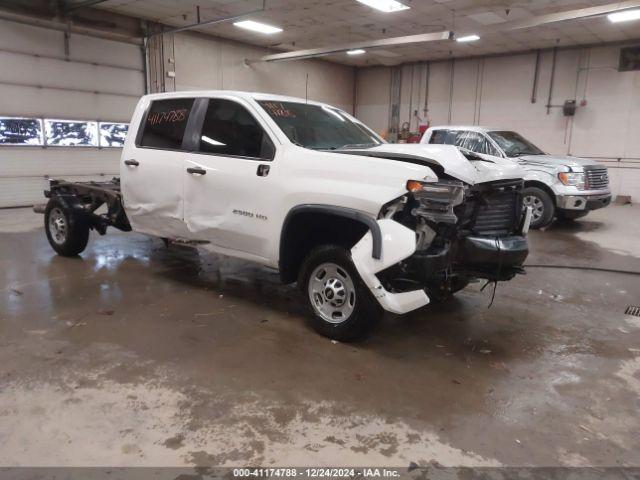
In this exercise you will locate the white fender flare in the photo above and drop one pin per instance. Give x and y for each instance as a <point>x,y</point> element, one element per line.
<point>398,243</point>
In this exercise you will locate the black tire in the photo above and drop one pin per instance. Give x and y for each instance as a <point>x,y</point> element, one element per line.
<point>570,215</point>
<point>71,234</point>
<point>544,209</point>
<point>361,311</point>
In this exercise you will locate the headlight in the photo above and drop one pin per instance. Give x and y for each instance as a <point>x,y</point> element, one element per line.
<point>436,200</point>
<point>572,179</point>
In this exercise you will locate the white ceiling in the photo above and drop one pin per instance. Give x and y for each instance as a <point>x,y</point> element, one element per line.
<point>313,24</point>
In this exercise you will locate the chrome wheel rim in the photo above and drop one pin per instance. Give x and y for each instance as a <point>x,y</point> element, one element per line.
<point>332,293</point>
<point>57,226</point>
<point>537,207</point>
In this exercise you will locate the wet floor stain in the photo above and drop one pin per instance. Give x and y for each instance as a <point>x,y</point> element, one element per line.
<point>135,354</point>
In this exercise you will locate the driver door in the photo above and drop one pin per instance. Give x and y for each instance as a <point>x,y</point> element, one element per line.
<point>229,180</point>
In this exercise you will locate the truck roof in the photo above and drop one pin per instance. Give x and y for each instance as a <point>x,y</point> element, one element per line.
<point>472,128</point>
<point>233,93</point>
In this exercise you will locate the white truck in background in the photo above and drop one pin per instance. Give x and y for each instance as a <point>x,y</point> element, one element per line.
<point>555,186</point>
<point>302,187</point>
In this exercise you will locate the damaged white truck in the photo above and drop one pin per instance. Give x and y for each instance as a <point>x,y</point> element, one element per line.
<point>361,225</point>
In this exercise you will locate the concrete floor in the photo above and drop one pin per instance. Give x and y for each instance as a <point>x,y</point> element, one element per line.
<point>139,355</point>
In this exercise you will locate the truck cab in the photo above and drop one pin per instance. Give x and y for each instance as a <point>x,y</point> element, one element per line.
<point>555,186</point>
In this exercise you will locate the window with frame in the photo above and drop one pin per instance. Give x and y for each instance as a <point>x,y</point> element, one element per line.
<point>229,129</point>
<point>70,133</point>
<point>20,131</point>
<point>112,134</point>
<point>475,141</point>
<point>443,137</point>
<point>165,123</point>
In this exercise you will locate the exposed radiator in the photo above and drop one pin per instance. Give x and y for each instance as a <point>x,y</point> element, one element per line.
<point>497,214</point>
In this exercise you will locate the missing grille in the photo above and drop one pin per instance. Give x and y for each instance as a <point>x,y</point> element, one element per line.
<point>633,310</point>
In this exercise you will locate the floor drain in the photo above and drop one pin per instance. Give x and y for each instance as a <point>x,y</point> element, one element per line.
<point>633,310</point>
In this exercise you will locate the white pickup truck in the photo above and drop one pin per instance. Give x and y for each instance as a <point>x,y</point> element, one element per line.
<point>363,226</point>
<point>554,186</point>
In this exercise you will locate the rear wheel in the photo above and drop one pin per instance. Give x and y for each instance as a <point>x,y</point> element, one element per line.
<point>68,235</point>
<point>542,207</point>
<point>342,308</point>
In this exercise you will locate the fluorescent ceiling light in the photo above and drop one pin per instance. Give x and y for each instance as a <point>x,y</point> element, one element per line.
<point>357,51</point>
<point>468,38</point>
<point>257,27</point>
<point>387,6</point>
<point>624,16</point>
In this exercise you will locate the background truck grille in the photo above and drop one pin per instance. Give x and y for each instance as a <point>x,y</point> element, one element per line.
<point>497,214</point>
<point>597,178</point>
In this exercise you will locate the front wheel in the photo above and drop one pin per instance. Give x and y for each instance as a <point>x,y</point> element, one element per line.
<point>542,207</point>
<point>67,233</point>
<point>342,308</point>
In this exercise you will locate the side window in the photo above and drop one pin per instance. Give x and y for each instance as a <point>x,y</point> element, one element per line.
<point>446,137</point>
<point>165,123</point>
<point>229,129</point>
<point>491,150</point>
<point>473,141</point>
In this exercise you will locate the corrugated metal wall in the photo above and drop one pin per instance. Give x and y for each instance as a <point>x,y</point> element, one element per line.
<point>91,79</point>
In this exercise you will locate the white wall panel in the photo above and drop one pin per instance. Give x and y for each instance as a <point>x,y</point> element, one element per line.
<point>439,92</point>
<point>465,91</point>
<point>375,89</point>
<point>102,80</point>
<point>207,63</point>
<point>606,128</point>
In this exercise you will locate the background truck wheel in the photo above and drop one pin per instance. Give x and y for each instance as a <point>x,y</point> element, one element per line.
<point>570,215</point>
<point>342,308</point>
<point>66,232</point>
<point>541,204</point>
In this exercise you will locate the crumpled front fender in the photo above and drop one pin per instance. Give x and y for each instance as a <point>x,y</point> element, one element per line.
<point>398,243</point>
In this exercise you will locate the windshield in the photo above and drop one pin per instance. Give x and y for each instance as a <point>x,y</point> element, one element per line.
<point>514,144</point>
<point>319,127</point>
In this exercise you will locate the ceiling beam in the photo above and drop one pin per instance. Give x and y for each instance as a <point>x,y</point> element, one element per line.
<point>214,21</point>
<point>69,7</point>
<point>66,27</point>
<point>578,14</point>
<point>384,42</point>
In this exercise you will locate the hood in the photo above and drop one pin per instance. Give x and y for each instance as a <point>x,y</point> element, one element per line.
<point>448,159</point>
<point>556,160</point>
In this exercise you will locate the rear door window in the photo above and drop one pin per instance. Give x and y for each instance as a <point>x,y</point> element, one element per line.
<point>474,141</point>
<point>229,129</point>
<point>443,137</point>
<point>165,123</point>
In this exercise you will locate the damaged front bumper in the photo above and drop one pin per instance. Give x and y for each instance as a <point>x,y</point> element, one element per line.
<point>398,243</point>
<point>493,258</point>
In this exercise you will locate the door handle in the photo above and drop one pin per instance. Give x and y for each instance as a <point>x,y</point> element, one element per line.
<point>197,170</point>
<point>131,163</point>
<point>263,170</point>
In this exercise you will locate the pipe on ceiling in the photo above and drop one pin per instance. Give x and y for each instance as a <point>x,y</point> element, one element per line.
<point>384,42</point>
<point>214,21</point>
<point>67,27</point>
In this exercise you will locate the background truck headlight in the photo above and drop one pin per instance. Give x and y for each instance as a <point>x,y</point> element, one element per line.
<point>572,179</point>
